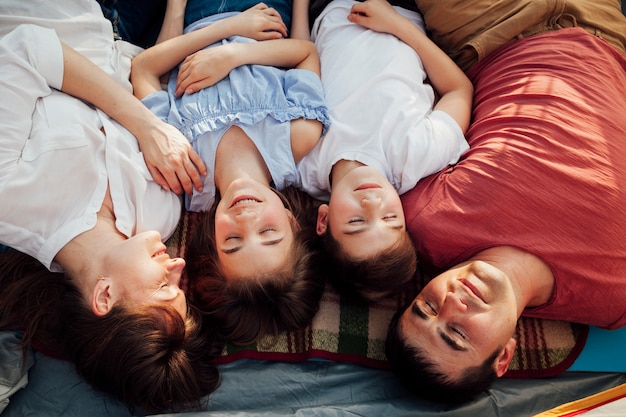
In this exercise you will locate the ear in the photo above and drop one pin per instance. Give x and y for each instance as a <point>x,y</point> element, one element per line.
<point>322,219</point>
<point>504,359</point>
<point>102,300</point>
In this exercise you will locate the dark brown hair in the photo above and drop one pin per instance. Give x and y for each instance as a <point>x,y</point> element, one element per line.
<point>145,356</point>
<point>385,274</point>
<point>249,308</point>
<point>421,376</point>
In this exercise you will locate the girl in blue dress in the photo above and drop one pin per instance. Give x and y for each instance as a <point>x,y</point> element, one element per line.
<point>250,101</point>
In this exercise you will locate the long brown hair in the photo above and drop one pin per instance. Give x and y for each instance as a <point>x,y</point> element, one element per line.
<point>145,356</point>
<point>251,307</point>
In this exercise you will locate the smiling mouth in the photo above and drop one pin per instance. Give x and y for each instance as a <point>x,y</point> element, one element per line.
<point>161,251</point>
<point>367,186</point>
<point>244,199</point>
<point>473,289</point>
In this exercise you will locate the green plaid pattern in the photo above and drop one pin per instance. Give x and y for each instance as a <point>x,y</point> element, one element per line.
<point>348,331</point>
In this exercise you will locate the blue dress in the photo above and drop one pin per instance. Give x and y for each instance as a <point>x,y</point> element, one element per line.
<point>261,100</point>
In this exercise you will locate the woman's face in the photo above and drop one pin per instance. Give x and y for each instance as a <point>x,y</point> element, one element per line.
<point>364,213</point>
<point>254,232</point>
<point>145,273</point>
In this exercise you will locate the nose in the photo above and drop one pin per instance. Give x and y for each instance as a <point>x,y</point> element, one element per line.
<point>174,271</point>
<point>453,304</point>
<point>246,214</point>
<point>371,201</point>
<point>152,236</point>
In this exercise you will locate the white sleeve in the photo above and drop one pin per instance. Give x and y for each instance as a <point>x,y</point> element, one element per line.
<point>434,143</point>
<point>32,63</point>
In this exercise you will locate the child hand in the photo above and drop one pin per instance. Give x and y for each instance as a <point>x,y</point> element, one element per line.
<point>205,68</point>
<point>377,15</point>
<point>261,23</point>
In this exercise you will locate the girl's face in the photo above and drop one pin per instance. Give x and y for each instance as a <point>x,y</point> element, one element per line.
<point>364,213</point>
<point>254,232</point>
<point>145,273</point>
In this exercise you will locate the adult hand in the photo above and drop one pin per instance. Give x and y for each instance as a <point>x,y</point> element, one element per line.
<point>170,158</point>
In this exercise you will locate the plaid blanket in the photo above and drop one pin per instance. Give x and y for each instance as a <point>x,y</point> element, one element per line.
<point>349,331</point>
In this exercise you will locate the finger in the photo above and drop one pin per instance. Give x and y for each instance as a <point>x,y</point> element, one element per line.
<point>173,182</point>
<point>183,84</point>
<point>193,174</point>
<point>359,9</point>
<point>158,178</point>
<point>260,6</point>
<point>265,36</point>
<point>271,12</point>
<point>181,79</point>
<point>197,161</point>
<point>197,86</point>
<point>277,25</point>
<point>358,18</point>
<point>184,179</point>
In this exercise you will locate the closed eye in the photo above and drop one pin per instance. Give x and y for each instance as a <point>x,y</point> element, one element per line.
<point>428,311</point>
<point>425,312</point>
<point>457,331</point>
<point>451,342</point>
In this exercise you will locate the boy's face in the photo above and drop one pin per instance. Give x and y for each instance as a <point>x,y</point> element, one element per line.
<point>364,213</point>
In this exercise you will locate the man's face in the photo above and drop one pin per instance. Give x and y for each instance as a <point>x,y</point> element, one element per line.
<point>461,317</point>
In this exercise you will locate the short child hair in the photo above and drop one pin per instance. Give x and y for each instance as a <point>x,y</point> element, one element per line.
<point>248,308</point>
<point>385,274</point>
<point>421,376</point>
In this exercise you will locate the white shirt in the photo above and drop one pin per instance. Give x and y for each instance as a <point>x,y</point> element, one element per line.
<point>55,161</point>
<point>379,106</point>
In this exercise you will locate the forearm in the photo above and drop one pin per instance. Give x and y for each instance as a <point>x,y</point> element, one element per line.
<point>450,82</point>
<point>85,80</point>
<point>300,20</point>
<point>173,21</point>
<point>283,53</point>
<point>151,64</point>
<point>443,73</point>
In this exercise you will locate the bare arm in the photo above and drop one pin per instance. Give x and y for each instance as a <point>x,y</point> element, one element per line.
<point>300,20</point>
<point>173,21</point>
<point>451,83</point>
<point>258,22</point>
<point>170,158</point>
<point>207,67</point>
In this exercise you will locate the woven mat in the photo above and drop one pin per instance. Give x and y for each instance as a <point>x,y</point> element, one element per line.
<point>347,331</point>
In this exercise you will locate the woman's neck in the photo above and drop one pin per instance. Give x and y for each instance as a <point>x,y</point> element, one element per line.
<point>81,257</point>
<point>238,157</point>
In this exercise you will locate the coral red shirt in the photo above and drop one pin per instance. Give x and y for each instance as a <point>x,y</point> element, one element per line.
<point>546,172</point>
